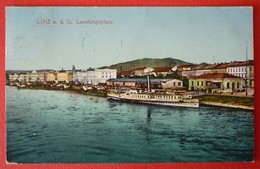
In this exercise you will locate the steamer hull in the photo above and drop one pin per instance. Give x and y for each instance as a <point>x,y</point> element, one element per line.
<point>164,100</point>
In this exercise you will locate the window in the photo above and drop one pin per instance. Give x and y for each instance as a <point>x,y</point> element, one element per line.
<point>192,83</point>
<point>201,83</point>
<point>197,83</point>
<point>179,83</point>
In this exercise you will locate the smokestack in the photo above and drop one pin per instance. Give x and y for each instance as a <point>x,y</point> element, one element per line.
<point>148,83</point>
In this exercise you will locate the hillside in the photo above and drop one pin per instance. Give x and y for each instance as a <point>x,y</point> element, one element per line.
<point>148,62</point>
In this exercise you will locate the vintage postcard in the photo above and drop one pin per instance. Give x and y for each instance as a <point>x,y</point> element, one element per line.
<point>129,84</point>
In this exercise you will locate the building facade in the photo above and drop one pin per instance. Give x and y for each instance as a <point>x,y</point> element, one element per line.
<point>143,84</point>
<point>80,77</point>
<point>216,81</point>
<point>244,70</point>
<point>64,76</point>
<point>13,77</point>
<point>51,77</point>
<point>35,76</point>
<point>94,77</point>
<point>186,70</point>
<point>171,84</point>
<point>162,71</point>
<point>24,77</point>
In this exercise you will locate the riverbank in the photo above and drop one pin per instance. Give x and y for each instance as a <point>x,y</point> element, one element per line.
<point>228,101</point>
<point>99,93</point>
<point>213,100</point>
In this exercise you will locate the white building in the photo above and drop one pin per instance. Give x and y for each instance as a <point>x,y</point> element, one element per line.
<point>239,71</point>
<point>175,83</point>
<point>94,77</point>
<point>35,76</point>
<point>23,77</point>
<point>13,77</point>
<point>244,70</point>
<point>80,76</point>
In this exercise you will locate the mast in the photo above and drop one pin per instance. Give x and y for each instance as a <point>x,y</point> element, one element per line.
<point>75,74</point>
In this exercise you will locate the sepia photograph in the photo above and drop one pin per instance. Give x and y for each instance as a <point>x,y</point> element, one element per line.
<point>129,84</point>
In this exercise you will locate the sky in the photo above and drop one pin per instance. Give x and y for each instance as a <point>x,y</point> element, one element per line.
<point>201,34</point>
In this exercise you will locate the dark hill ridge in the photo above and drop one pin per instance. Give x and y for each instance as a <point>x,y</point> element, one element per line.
<point>148,62</point>
<point>26,71</point>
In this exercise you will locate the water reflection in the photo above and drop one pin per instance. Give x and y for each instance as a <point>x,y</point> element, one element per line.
<point>149,113</point>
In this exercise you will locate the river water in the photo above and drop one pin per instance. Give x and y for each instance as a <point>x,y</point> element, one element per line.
<point>65,127</point>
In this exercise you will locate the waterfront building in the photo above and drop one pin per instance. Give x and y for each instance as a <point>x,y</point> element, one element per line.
<point>220,68</point>
<point>94,76</point>
<point>211,68</point>
<point>203,69</point>
<point>79,76</point>
<point>172,83</point>
<point>97,76</point>
<point>51,77</point>
<point>244,70</point>
<point>216,81</point>
<point>142,83</point>
<point>35,76</point>
<point>64,76</point>
<point>251,81</point>
<point>13,77</point>
<point>23,77</point>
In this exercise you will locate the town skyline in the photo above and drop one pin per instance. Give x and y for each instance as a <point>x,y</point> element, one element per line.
<point>104,67</point>
<point>193,35</point>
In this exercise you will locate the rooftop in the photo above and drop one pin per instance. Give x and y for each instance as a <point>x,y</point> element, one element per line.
<point>126,72</point>
<point>139,80</point>
<point>214,75</point>
<point>162,69</point>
